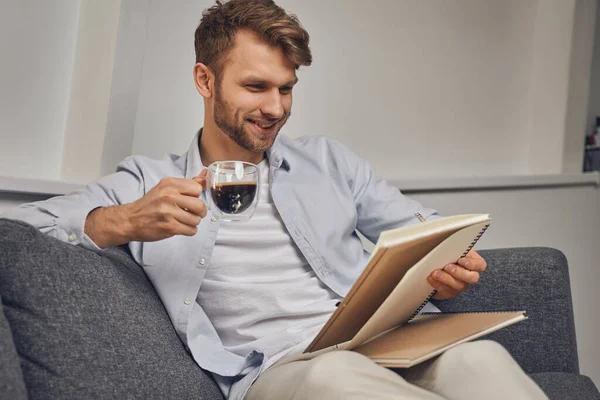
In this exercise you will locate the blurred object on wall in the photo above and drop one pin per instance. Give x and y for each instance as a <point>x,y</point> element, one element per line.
<point>591,159</point>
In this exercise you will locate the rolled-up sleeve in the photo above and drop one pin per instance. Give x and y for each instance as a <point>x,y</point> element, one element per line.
<point>63,217</point>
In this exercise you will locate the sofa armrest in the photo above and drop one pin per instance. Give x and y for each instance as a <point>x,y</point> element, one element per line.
<point>536,280</point>
<point>89,325</point>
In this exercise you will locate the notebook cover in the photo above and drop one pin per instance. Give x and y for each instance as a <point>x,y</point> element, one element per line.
<point>430,335</point>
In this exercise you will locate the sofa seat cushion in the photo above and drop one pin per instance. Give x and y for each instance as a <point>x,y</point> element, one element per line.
<point>566,386</point>
<point>90,326</point>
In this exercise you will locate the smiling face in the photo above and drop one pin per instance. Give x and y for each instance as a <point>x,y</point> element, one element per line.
<point>253,94</point>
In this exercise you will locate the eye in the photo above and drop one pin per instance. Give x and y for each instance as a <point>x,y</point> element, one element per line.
<point>255,87</point>
<point>285,90</point>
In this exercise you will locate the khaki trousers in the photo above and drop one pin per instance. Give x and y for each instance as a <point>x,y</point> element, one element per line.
<point>476,370</point>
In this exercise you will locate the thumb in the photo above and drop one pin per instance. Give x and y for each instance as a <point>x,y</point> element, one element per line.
<point>201,177</point>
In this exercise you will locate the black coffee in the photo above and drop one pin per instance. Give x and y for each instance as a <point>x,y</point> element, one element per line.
<point>233,197</point>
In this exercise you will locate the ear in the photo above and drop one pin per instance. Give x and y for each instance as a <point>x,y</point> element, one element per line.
<point>204,80</point>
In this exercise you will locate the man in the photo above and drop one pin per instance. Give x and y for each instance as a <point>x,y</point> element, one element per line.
<point>242,296</point>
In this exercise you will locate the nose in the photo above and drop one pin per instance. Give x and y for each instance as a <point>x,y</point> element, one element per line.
<point>272,105</point>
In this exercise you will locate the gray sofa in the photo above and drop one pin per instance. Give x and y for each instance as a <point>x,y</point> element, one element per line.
<point>80,325</point>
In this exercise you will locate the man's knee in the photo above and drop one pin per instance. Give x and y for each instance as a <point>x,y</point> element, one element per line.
<point>478,354</point>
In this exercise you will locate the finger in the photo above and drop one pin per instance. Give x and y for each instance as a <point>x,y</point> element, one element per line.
<point>191,204</point>
<point>473,263</point>
<point>186,218</point>
<point>443,291</point>
<point>462,274</point>
<point>188,187</point>
<point>202,175</point>
<point>449,280</point>
<point>185,230</point>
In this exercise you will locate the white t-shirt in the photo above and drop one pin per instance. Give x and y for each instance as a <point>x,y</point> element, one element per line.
<point>259,291</point>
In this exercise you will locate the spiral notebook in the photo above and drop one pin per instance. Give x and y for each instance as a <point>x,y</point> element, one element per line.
<point>393,288</point>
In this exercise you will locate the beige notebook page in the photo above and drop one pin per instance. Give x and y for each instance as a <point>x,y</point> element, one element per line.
<point>429,335</point>
<point>421,230</point>
<point>370,290</point>
<point>413,288</point>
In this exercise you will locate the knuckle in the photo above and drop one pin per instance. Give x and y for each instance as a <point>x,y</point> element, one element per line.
<point>168,181</point>
<point>171,227</point>
<point>164,182</point>
<point>163,209</point>
<point>167,196</point>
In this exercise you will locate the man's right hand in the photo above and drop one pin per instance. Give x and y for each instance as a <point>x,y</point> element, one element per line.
<point>172,207</point>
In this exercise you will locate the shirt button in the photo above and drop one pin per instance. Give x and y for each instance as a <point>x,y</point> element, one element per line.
<point>187,301</point>
<point>71,237</point>
<point>213,219</point>
<point>202,261</point>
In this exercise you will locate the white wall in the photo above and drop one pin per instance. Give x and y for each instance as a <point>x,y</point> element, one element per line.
<point>87,114</point>
<point>395,81</point>
<point>37,43</point>
<point>414,78</point>
<point>407,85</point>
<point>419,83</point>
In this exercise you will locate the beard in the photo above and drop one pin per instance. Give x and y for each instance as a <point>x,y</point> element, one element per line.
<point>236,127</point>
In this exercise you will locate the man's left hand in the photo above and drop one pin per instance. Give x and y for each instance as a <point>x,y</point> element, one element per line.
<point>454,279</point>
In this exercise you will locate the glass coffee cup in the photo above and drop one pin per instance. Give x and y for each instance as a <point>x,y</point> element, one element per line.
<point>232,189</point>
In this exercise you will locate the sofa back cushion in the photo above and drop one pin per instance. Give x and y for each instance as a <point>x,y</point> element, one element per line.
<point>88,325</point>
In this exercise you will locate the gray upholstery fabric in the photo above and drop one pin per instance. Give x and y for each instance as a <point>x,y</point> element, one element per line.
<point>88,326</point>
<point>535,280</point>
<point>563,386</point>
<point>12,386</point>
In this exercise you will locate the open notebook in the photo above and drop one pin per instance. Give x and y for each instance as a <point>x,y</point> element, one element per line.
<point>373,318</point>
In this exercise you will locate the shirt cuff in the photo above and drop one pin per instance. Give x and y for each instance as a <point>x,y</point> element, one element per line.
<point>73,228</point>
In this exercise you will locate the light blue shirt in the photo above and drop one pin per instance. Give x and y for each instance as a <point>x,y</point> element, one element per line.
<point>323,192</point>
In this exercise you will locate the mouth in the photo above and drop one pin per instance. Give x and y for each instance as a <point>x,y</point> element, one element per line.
<point>265,128</point>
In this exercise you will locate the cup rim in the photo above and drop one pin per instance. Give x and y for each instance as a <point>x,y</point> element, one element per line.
<point>210,166</point>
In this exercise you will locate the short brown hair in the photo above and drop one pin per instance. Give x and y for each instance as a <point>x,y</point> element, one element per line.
<point>215,35</point>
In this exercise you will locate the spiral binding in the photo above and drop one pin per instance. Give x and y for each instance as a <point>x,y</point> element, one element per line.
<point>424,303</point>
<point>475,240</point>
<point>471,312</point>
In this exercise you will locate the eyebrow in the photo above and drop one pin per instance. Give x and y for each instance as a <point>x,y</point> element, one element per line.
<point>258,80</point>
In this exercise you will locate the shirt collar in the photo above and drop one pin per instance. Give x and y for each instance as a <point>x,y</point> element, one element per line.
<point>194,165</point>
<point>276,155</point>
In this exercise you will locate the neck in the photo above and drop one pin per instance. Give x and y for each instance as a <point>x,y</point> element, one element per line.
<point>216,145</point>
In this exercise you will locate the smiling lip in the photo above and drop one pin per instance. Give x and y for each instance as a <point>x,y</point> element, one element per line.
<point>267,130</point>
